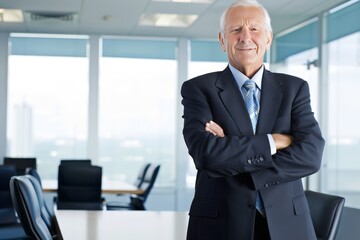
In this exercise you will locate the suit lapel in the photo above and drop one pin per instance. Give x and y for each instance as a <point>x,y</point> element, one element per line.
<point>271,97</point>
<point>234,102</point>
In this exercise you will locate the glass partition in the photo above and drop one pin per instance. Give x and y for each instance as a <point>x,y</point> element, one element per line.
<point>137,102</point>
<point>47,99</point>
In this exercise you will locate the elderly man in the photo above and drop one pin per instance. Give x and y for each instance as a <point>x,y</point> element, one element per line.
<point>252,136</point>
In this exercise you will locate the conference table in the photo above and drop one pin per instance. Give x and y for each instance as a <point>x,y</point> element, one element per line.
<point>108,187</point>
<point>127,225</point>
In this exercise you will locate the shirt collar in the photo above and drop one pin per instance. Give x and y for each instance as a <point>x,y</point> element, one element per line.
<point>241,78</point>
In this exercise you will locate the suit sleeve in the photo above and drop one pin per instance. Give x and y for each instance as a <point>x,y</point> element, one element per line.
<point>303,156</point>
<point>218,157</point>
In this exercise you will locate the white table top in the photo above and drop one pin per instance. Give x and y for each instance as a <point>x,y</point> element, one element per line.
<point>126,225</point>
<point>113,187</point>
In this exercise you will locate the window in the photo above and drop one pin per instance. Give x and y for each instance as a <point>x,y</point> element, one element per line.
<point>47,100</point>
<point>137,108</point>
<point>343,135</point>
<point>297,55</point>
<point>343,143</point>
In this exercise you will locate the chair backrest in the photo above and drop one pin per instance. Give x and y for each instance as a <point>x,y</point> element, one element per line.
<point>7,211</point>
<point>34,173</point>
<point>44,211</point>
<point>27,207</point>
<point>325,210</point>
<point>141,175</point>
<point>79,187</point>
<point>137,201</point>
<point>20,163</point>
<point>75,161</point>
<point>149,180</point>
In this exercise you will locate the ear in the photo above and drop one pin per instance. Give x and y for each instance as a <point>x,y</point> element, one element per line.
<point>222,42</point>
<point>269,41</point>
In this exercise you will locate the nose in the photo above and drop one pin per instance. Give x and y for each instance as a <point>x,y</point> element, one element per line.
<point>245,35</point>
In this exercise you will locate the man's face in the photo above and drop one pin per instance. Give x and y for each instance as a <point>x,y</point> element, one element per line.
<point>245,39</point>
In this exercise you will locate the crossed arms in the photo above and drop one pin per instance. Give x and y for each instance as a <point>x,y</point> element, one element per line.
<point>281,140</point>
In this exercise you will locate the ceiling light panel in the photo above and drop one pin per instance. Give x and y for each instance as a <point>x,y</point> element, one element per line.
<point>167,20</point>
<point>11,15</point>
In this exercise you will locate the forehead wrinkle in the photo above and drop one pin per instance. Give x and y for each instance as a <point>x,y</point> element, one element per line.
<point>245,17</point>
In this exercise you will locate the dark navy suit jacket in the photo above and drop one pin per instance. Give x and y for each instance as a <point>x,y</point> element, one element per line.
<point>231,170</point>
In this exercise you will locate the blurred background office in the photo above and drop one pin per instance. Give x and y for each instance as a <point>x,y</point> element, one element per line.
<point>100,80</point>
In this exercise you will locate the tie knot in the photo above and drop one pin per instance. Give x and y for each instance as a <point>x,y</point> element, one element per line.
<point>249,85</point>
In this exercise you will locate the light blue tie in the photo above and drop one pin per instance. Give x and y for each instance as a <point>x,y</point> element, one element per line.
<point>251,102</point>
<point>252,105</point>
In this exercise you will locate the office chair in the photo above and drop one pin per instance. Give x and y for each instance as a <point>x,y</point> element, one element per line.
<point>325,213</point>
<point>79,187</point>
<point>7,211</point>
<point>140,177</point>
<point>34,173</point>
<point>75,161</point>
<point>137,201</point>
<point>44,210</point>
<point>10,227</point>
<point>20,163</point>
<point>27,207</point>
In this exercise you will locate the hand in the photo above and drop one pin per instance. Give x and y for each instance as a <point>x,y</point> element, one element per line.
<point>214,128</point>
<point>282,140</point>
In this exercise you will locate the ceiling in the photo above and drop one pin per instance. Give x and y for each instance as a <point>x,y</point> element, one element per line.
<point>121,17</point>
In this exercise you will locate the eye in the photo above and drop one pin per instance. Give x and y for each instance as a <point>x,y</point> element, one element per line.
<point>255,28</point>
<point>235,30</point>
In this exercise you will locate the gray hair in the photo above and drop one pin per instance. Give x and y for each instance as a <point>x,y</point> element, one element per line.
<point>246,3</point>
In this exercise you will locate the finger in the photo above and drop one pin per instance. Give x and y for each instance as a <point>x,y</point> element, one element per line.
<point>211,126</point>
<point>211,131</point>
<point>215,127</point>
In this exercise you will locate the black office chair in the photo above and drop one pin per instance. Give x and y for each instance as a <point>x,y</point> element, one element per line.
<point>20,163</point>
<point>137,201</point>
<point>7,211</point>
<point>79,187</point>
<point>34,173</point>
<point>325,210</point>
<point>141,175</point>
<point>10,227</point>
<point>75,161</point>
<point>27,207</point>
<point>45,212</point>
<point>139,179</point>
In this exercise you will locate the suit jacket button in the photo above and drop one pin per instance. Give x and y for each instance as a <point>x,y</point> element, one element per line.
<point>261,159</point>
<point>249,161</point>
<point>266,185</point>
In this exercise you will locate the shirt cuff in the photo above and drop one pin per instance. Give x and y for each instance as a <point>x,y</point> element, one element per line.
<point>272,144</point>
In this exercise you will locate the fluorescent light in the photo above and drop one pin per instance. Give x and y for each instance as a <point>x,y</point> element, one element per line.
<point>11,15</point>
<point>167,20</point>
